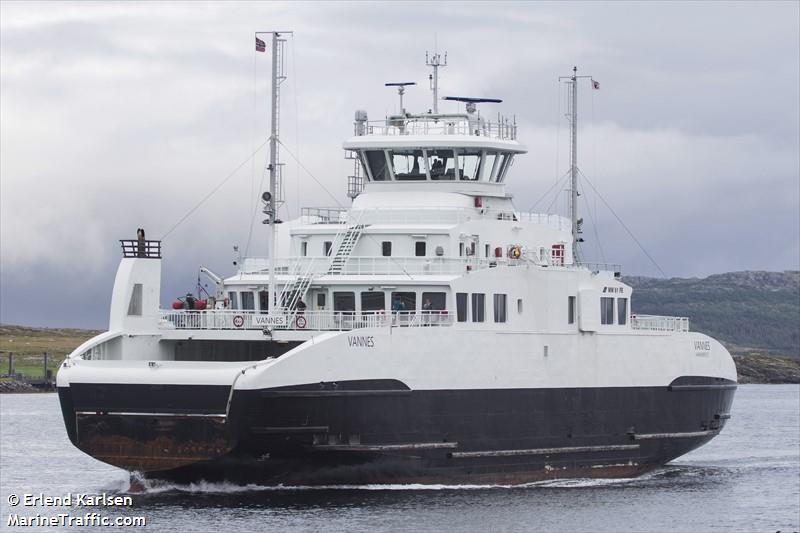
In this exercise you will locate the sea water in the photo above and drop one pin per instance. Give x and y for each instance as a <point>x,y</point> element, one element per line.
<point>746,479</point>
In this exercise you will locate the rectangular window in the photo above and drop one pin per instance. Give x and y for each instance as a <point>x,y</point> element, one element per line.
<point>263,300</point>
<point>461,306</point>
<point>488,165</point>
<point>500,308</point>
<point>386,248</point>
<point>571,310</point>
<point>419,248</point>
<point>519,305</point>
<point>442,164</point>
<point>478,307</point>
<point>326,248</point>
<point>234,300</point>
<point>487,249</point>
<point>321,297</point>
<point>408,165</point>
<point>135,305</point>
<point>461,249</point>
<point>606,310</point>
<point>468,162</point>
<point>344,301</point>
<point>372,301</point>
<point>622,311</point>
<point>404,301</point>
<point>304,248</point>
<point>248,301</point>
<point>434,301</point>
<point>377,165</point>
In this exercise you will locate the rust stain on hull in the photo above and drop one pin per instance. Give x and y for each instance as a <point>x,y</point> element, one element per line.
<point>152,443</point>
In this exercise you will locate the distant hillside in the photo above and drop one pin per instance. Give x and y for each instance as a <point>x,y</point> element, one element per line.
<point>747,311</point>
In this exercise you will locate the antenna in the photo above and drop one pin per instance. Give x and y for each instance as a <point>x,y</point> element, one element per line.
<point>435,61</point>
<point>401,89</point>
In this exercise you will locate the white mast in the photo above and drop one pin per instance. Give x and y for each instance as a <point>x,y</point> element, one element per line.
<point>572,116</point>
<point>435,61</point>
<point>274,197</point>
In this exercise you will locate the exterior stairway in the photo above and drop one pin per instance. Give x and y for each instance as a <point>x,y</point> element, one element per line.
<point>346,247</point>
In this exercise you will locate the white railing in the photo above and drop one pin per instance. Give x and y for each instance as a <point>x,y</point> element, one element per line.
<point>232,319</point>
<point>452,125</point>
<point>427,215</point>
<point>660,323</point>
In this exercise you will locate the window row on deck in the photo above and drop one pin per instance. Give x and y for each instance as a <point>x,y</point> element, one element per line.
<point>413,164</point>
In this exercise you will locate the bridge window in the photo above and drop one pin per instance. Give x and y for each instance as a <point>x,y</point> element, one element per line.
<point>468,163</point>
<point>461,306</point>
<point>487,166</point>
<point>504,166</point>
<point>419,248</point>
<point>404,301</point>
<point>442,164</point>
<point>408,165</point>
<point>234,300</point>
<point>377,165</point>
<point>372,301</point>
<point>386,248</point>
<point>478,307</point>
<point>500,308</point>
<point>248,301</point>
<point>606,310</point>
<point>622,311</point>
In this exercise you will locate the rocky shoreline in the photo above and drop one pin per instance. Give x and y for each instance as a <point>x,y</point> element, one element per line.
<point>758,368</point>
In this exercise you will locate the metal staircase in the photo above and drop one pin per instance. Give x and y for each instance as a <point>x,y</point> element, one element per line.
<point>346,247</point>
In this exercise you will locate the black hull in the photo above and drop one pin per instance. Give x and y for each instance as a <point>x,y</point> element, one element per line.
<point>381,432</point>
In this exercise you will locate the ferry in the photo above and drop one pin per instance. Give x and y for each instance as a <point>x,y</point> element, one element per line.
<point>430,332</point>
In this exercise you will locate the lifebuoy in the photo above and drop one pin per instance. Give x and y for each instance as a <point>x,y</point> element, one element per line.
<point>238,321</point>
<point>300,321</point>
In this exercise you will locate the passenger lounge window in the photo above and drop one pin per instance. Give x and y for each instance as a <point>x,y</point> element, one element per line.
<point>234,301</point>
<point>248,301</point>
<point>263,300</point>
<point>404,301</point>
<point>606,310</point>
<point>386,248</point>
<point>344,301</point>
<point>419,248</point>
<point>478,307</point>
<point>372,301</point>
<point>461,306</point>
<point>434,301</point>
<point>622,311</point>
<point>500,308</point>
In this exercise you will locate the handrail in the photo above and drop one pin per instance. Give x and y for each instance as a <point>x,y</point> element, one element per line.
<point>233,319</point>
<point>141,248</point>
<point>438,125</point>
<point>660,323</point>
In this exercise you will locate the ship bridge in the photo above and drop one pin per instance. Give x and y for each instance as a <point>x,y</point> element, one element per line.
<point>454,152</point>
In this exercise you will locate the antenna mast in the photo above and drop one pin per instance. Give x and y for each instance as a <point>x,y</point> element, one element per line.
<point>435,61</point>
<point>275,195</point>
<point>572,116</point>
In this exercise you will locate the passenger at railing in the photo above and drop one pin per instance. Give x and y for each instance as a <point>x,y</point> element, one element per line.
<point>301,306</point>
<point>188,303</point>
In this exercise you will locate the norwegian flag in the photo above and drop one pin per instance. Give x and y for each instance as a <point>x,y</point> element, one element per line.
<point>596,85</point>
<point>261,46</point>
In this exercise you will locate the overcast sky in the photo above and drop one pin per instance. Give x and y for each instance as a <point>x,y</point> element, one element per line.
<point>125,115</point>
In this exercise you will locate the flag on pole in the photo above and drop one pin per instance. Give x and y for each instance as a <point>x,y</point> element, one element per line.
<point>596,85</point>
<point>261,46</point>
